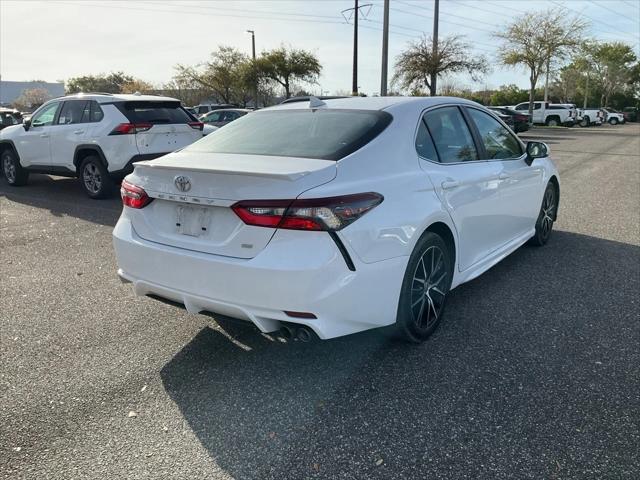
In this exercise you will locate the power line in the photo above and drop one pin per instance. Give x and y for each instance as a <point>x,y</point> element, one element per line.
<point>414,14</point>
<point>485,10</point>
<point>443,13</point>
<point>615,29</point>
<point>609,9</point>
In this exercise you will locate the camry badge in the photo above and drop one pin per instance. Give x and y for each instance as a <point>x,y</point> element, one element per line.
<point>182,183</point>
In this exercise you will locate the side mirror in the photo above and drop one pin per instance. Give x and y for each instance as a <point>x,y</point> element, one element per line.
<point>26,123</point>
<point>536,150</point>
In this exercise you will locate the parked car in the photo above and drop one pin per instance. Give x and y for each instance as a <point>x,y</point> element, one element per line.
<point>630,114</point>
<point>613,116</point>
<point>520,119</point>
<point>206,108</point>
<point>95,137</point>
<point>591,116</point>
<point>219,118</point>
<point>207,129</point>
<point>294,217</point>
<point>9,117</point>
<point>550,114</point>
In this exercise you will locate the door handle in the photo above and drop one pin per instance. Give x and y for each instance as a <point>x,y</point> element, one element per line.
<point>504,176</point>
<point>78,132</point>
<point>450,184</point>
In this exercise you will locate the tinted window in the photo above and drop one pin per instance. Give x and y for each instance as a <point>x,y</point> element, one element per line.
<point>424,143</point>
<point>7,119</point>
<point>72,112</point>
<point>154,112</point>
<point>451,135</point>
<point>45,116</point>
<point>96,112</point>
<point>498,141</point>
<point>213,117</point>
<point>327,134</point>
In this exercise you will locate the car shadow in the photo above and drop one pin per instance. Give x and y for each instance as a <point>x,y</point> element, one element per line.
<point>508,375</point>
<point>63,197</point>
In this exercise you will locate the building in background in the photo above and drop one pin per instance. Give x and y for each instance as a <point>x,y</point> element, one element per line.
<point>11,91</point>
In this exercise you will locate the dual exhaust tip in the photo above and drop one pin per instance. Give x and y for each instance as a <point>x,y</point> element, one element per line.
<point>299,333</point>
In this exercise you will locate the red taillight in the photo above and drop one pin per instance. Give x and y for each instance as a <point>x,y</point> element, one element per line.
<point>128,128</point>
<point>134,196</point>
<point>196,125</point>
<point>327,214</point>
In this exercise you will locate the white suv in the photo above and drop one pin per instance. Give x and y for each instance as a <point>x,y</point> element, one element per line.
<point>95,137</point>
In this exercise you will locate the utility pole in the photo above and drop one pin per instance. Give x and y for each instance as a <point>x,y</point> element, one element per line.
<point>586,92</point>
<point>385,49</point>
<point>434,76</point>
<point>546,81</point>
<point>356,13</point>
<point>354,81</point>
<point>253,54</point>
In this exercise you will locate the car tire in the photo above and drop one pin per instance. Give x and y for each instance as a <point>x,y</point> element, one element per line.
<point>547,216</point>
<point>585,122</point>
<point>425,286</point>
<point>553,122</point>
<point>613,121</point>
<point>13,172</point>
<point>94,178</point>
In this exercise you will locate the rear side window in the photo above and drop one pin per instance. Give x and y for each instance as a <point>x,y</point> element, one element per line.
<point>451,135</point>
<point>154,112</point>
<point>72,112</point>
<point>424,143</point>
<point>328,134</point>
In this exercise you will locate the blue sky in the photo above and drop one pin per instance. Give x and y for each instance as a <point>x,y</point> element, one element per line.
<point>58,39</point>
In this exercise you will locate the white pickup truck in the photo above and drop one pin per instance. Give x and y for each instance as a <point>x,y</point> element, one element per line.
<point>613,116</point>
<point>551,114</point>
<point>591,116</point>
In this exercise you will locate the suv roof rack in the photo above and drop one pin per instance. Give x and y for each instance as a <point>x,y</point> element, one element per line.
<point>93,93</point>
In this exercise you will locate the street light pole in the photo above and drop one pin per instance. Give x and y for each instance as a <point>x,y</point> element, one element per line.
<point>385,49</point>
<point>253,54</point>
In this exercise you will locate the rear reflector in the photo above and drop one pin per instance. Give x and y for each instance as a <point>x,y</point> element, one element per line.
<point>196,125</point>
<point>129,128</point>
<point>300,315</point>
<point>134,196</point>
<point>323,214</point>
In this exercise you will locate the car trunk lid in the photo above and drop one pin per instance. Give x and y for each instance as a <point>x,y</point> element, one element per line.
<point>193,193</point>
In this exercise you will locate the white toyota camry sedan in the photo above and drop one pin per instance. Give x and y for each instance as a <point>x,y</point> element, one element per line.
<point>326,218</point>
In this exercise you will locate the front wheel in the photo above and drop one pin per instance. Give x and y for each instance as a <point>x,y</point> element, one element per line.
<point>426,283</point>
<point>12,170</point>
<point>553,122</point>
<point>546,217</point>
<point>613,121</point>
<point>585,122</point>
<point>95,178</point>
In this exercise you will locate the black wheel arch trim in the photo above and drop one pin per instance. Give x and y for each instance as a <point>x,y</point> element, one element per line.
<point>84,147</point>
<point>12,145</point>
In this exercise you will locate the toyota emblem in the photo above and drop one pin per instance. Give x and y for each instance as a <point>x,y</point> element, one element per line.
<point>182,183</point>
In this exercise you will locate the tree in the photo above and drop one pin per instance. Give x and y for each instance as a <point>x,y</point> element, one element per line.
<point>285,67</point>
<point>32,98</point>
<point>509,95</point>
<point>227,75</point>
<point>415,66</point>
<point>111,83</point>
<point>616,68</point>
<point>537,39</point>
<point>136,85</point>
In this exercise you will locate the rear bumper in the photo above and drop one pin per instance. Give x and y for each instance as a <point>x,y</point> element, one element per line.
<point>297,271</point>
<point>128,168</point>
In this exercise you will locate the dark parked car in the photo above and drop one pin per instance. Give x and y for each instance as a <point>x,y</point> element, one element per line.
<point>520,120</point>
<point>630,114</point>
<point>219,118</point>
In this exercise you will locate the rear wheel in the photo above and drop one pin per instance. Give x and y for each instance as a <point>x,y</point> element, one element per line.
<point>585,122</point>
<point>12,170</point>
<point>613,121</point>
<point>95,178</point>
<point>547,216</point>
<point>426,283</point>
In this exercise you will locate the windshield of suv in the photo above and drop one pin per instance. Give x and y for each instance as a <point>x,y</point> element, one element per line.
<point>328,134</point>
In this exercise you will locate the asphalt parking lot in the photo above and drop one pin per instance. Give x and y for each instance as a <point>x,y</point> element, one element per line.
<point>535,373</point>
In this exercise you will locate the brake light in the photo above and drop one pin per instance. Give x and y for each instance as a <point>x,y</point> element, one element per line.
<point>134,196</point>
<point>196,125</point>
<point>320,214</point>
<point>128,128</point>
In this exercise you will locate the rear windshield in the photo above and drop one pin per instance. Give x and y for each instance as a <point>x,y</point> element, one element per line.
<point>154,112</point>
<point>322,133</point>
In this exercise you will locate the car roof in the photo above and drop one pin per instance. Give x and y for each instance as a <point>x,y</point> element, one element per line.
<point>373,103</point>
<point>229,110</point>
<point>101,97</point>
